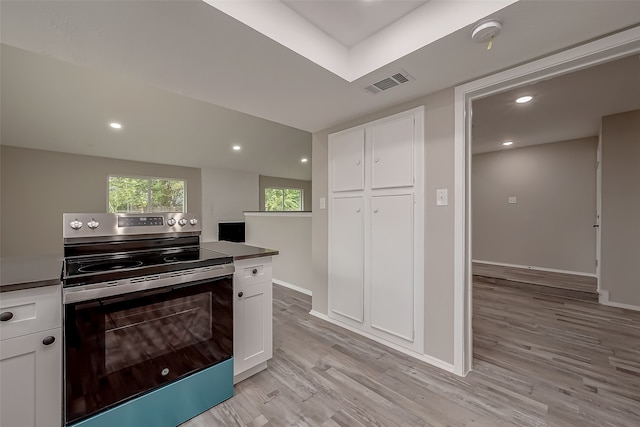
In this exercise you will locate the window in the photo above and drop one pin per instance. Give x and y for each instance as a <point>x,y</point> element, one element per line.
<point>129,194</point>
<point>282,199</point>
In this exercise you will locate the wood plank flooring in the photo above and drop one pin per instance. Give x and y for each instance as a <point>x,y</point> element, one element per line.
<point>548,282</point>
<point>539,361</point>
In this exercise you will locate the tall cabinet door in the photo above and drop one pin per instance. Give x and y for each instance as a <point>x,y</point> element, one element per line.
<point>392,151</point>
<point>392,284</point>
<point>347,258</point>
<point>347,160</point>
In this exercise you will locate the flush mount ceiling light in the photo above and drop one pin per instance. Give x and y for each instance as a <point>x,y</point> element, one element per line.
<point>304,160</point>
<point>524,99</point>
<point>236,148</point>
<point>115,125</point>
<point>507,143</point>
<point>486,32</point>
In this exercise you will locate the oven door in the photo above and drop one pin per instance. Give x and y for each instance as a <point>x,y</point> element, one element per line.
<point>120,347</point>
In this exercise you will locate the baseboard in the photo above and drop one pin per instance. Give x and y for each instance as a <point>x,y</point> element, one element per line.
<point>422,357</point>
<point>292,286</point>
<point>604,300</point>
<point>531,267</point>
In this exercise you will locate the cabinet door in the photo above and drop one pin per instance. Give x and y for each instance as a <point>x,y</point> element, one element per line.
<point>347,160</point>
<point>253,326</point>
<point>31,380</point>
<point>392,283</point>
<point>392,153</point>
<point>346,281</point>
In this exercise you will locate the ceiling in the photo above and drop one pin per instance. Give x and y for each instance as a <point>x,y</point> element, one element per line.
<point>566,107</point>
<point>187,80</point>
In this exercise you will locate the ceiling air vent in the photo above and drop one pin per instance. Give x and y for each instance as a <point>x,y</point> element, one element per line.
<point>389,82</point>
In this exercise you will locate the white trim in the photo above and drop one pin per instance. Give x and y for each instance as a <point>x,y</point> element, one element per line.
<point>280,213</point>
<point>532,267</point>
<point>604,300</point>
<point>596,52</point>
<point>422,357</point>
<point>291,286</point>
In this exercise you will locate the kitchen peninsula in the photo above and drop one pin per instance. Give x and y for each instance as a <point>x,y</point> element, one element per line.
<point>31,328</point>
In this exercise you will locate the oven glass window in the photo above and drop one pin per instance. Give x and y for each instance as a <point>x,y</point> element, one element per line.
<point>121,347</point>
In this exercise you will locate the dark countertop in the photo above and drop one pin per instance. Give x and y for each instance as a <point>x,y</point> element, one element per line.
<point>238,250</point>
<point>25,272</point>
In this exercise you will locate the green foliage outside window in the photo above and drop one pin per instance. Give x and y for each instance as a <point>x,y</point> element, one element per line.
<point>145,195</point>
<point>282,199</point>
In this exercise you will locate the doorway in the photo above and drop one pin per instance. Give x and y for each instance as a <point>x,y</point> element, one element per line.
<point>601,51</point>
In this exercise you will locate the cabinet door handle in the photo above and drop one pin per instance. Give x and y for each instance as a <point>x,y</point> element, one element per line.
<point>255,271</point>
<point>48,340</point>
<point>357,162</point>
<point>6,316</point>
<point>240,294</point>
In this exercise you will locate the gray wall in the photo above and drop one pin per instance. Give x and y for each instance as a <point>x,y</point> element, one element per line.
<point>275,182</point>
<point>290,234</point>
<point>226,194</point>
<point>438,263</point>
<point>620,268</point>
<point>551,226</point>
<point>39,186</point>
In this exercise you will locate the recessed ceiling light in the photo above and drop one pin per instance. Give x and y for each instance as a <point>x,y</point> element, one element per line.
<point>524,99</point>
<point>236,148</point>
<point>507,143</point>
<point>115,125</point>
<point>304,160</point>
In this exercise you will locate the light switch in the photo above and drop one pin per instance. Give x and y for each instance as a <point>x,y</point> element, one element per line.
<point>323,203</point>
<point>513,199</point>
<point>441,197</point>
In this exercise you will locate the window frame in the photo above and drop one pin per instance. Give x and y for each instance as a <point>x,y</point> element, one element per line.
<point>264,195</point>
<point>149,179</point>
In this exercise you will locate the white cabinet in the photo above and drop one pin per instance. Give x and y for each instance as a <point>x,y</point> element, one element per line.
<point>392,284</point>
<point>347,163</point>
<point>392,147</point>
<point>376,239</point>
<point>347,257</point>
<point>253,316</point>
<point>31,358</point>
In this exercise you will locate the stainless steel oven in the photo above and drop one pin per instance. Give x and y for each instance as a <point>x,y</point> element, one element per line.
<point>144,307</point>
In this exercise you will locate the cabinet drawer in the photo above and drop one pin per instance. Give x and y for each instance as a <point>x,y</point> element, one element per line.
<point>250,272</point>
<point>30,310</point>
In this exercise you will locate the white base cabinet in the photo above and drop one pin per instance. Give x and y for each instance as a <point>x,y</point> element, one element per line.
<point>31,359</point>
<point>253,316</point>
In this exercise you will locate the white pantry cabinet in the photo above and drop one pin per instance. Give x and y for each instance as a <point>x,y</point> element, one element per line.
<point>253,316</point>
<point>31,358</point>
<point>376,243</point>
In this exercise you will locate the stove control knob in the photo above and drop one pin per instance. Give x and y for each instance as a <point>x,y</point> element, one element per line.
<point>193,221</point>
<point>182,222</point>
<point>93,224</point>
<point>76,225</point>
<point>171,222</point>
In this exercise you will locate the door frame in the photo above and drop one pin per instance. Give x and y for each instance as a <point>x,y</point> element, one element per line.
<point>590,54</point>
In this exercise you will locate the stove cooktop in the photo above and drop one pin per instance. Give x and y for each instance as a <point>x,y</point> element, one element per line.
<point>82,270</point>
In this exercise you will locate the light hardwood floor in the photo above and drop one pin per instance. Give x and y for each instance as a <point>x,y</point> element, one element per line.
<point>539,361</point>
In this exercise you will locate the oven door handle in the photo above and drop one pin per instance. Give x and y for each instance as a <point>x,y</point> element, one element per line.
<point>172,280</point>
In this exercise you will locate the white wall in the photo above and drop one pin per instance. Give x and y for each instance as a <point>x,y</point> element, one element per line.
<point>226,195</point>
<point>290,234</point>
<point>551,225</point>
